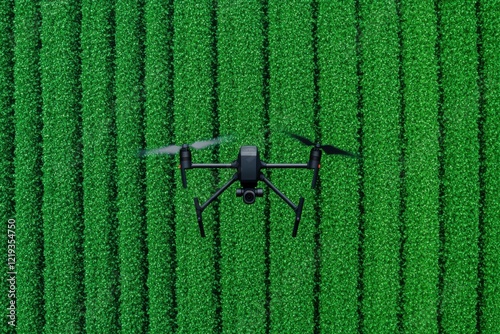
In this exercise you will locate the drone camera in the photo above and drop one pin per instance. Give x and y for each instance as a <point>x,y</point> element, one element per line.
<point>249,194</point>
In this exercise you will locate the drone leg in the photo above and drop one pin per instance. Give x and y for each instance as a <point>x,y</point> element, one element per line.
<point>298,213</point>
<point>200,208</point>
<point>198,215</point>
<point>297,209</point>
<point>279,193</point>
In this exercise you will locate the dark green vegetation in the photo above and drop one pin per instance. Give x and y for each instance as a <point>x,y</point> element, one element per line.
<point>62,209</point>
<point>405,239</point>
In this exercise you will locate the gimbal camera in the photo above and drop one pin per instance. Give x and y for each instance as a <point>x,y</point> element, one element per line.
<point>248,171</point>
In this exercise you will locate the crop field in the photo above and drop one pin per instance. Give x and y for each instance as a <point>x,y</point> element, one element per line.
<point>405,239</point>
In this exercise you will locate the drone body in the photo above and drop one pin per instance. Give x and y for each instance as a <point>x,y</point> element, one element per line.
<point>248,168</point>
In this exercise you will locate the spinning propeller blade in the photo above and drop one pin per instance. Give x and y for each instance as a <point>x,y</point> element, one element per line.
<point>174,149</point>
<point>206,143</point>
<point>328,149</point>
<point>303,140</point>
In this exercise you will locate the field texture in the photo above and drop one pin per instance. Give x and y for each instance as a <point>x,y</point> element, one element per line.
<point>405,239</point>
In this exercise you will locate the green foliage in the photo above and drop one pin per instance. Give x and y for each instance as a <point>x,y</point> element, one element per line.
<point>404,239</point>
<point>490,163</point>
<point>420,167</point>
<point>62,209</point>
<point>159,172</point>
<point>381,149</point>
<point>28,168</point>
<point>101,263</point>
<point>460,209</point>
<point>194,91</point>
<point>240,81</point>
<point>291,108</point>
<point>339,199</point>
<point>130,170</point>
<point>6,137</point>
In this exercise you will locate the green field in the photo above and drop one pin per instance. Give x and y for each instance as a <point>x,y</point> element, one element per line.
<point>405,239</point>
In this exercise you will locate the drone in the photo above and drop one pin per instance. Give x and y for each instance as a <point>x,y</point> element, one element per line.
<point>249,168</point>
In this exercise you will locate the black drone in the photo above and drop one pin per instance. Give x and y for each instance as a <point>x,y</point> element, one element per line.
<point>248,171</point>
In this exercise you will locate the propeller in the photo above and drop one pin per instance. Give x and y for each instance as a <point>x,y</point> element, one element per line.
<point>174,149</point>
<point>328,149</point>
<point>315,156</point>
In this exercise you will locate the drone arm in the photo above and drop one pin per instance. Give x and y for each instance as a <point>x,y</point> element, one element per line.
<point>313,164</point>
<point>297,209</point>
<point>266,165</point>
<point>187,164</point>
<point>200,208</point>
<point>232,165</point>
